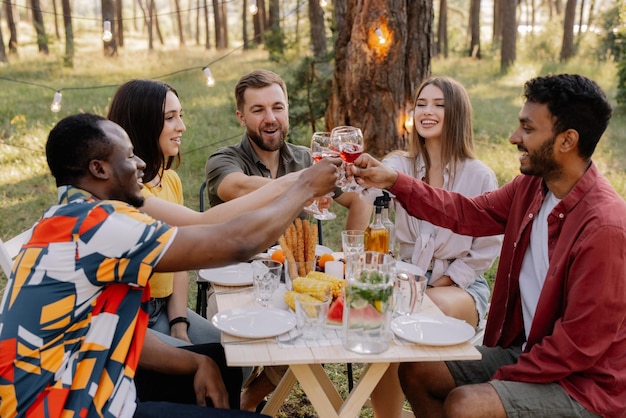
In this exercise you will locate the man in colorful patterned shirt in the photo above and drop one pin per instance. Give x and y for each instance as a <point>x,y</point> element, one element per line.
<point>73,320</point>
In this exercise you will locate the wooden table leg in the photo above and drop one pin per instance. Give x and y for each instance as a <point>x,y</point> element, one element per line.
<point>280,394</point>
<point>324,396</point>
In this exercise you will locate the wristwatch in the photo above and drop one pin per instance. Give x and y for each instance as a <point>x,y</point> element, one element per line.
<point>178,320</point>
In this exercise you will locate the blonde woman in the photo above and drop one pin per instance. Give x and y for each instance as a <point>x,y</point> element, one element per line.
<point>441,153</point>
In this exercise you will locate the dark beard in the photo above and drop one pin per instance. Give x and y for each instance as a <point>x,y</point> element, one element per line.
<point>542,162</point>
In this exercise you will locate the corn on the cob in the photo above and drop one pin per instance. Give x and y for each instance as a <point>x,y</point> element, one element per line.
<point>316,288</point>
<point>290,298</point>
<point>337,284</point>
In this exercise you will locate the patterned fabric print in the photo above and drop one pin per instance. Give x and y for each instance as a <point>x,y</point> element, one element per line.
<point>72,322</point>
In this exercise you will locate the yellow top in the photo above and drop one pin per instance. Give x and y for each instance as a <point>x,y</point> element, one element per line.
<point>170,189</point>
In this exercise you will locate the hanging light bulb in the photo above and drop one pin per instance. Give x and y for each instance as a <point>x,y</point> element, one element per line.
<point>210,80</point>
<point>253,7</point>
<point>381,37</point>
<point>107,35</point>
<point>323,3</point>
<point>56,102</point>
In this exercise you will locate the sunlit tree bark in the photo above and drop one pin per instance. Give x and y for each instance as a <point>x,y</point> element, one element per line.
<point>374,83</point>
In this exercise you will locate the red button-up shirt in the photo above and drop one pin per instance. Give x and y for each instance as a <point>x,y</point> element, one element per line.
<point>578,335</point>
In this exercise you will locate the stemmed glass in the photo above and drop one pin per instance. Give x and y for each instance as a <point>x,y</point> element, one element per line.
<point>348,140</point>
<point>321,148</point>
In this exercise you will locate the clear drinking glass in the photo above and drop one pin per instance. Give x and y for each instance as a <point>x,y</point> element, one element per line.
<point>265,279</point>
<point>348,140</point>
<point>321,148</point>
<point>352,241</point>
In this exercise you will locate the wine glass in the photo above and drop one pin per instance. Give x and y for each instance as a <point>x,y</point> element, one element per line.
<point>321,148</point>
<point>348,140</point>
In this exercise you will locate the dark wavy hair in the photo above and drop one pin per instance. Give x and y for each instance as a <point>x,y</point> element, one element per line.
<point>73,143</point>
<point>576,102</point>
<point>138,106</point>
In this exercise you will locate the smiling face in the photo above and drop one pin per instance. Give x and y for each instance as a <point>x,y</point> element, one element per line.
<point>173,126</point>
<point>125,168</point>
<point>430,112</point>
<point>535,140</point>
<point>265,114</point>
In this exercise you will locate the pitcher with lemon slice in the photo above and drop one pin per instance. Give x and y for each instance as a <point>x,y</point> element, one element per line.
<point>368,302</point>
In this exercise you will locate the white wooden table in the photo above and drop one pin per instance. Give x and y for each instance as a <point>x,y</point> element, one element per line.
<point>305,363</point>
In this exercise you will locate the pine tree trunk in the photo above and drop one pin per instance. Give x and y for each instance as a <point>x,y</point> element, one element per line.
<point>474,24</point>
<point>42,38</point>
<point>68,59</point>
<point>508,52</point>
<point>567,47</point>
<point>318,32</point>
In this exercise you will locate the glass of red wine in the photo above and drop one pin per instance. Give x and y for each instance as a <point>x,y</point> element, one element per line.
<point>321,148</point>
<point>348,140</point>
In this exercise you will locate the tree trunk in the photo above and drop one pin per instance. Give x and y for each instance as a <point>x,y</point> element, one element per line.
<point>374,83</point>
<point>42,38</point>
<point>108,13</point>
<point>442,30</point>
<point>219,42</point>
<point>224,19</point>
<point>508,51</point>
<point>68,59</point>
<point>155,21</point>
<point>56,19</point>
<point>3,52</point>
<point>119,16</point>
<point>497,22</point>
<point>318,32</point>
<point>207,37</point>
<point>150,26</point>
<point>8,8</point>
<point>244,25</point>
<point>179,22</point>
<point>567,48</point>
<point>580,18</point>
<point>474,25</point>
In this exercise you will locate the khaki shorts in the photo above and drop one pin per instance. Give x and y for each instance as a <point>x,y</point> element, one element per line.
<point>519,399</point>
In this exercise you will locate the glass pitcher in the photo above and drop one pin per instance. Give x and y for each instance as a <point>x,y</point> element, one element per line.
<point>368,303</point>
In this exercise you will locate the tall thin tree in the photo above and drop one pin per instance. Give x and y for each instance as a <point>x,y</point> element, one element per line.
<point>508,48</point>
<point>318,31</point>
<point>68,58</point>
<point>567,46</point>
<point>40,29</point>
<point>474,28</point>
<point>8,9</point>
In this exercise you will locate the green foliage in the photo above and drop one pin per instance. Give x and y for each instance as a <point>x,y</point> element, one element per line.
<point>274,43</point>
<point>309,87</point>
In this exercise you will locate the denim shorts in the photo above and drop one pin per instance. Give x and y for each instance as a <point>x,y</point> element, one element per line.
<point>520,400</point>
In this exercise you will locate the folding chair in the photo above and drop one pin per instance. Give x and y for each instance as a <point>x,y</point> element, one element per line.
<point>202,284</point>
<point>9,250</point>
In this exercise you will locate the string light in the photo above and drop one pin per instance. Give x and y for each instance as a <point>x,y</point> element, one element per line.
<point>381,37</point>
<point>56,102</point>
<point>210,80</point>
<point>107,35</point>
<point>253,7</point>
<point>323,3</point>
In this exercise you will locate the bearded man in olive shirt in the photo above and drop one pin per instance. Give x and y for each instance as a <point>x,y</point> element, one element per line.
<point>263,154</point>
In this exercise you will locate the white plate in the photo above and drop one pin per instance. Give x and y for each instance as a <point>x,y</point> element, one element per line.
<point>233,275</point>
<point>432,329</point>
<point>409,267</point>
<point>319,249</point>
<point>254,322</point>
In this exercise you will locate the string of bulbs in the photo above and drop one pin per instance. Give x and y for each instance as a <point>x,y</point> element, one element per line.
<point>107,36</point>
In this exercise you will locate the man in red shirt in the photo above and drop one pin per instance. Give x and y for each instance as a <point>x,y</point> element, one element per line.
<point>556,331</point>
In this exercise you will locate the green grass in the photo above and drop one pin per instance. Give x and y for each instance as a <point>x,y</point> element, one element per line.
<point>26,188</point>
